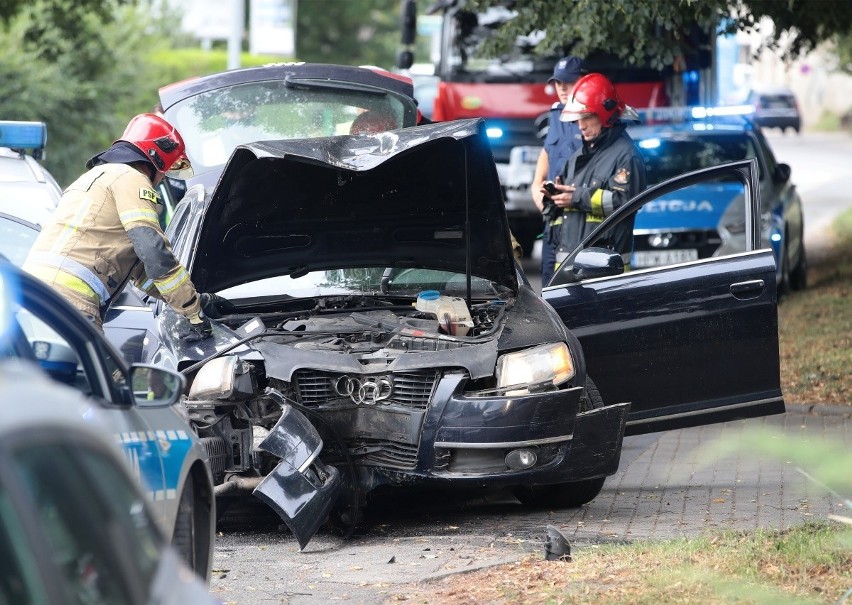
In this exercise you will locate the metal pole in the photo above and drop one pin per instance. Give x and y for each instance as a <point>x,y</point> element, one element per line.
<point>235,40</point>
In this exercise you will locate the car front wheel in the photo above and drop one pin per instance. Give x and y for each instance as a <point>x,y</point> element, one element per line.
<point>574,493</point>
<point>563,495</point>
<point>189,537</point>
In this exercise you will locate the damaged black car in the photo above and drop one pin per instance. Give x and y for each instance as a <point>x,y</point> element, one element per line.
<point>384,335</point>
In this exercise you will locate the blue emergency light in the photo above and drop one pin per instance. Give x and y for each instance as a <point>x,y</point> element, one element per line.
<point>23,135</point>
<point>683,114</point>
<point>494,132</point>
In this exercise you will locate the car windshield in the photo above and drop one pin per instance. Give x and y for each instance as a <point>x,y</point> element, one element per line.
<point>33,202</point>
<point>669,157</point>
<point>213,123</point>
<point>465,61</point>
<point>16,239</point>
<point>363,281</point>
<point>777,101</point>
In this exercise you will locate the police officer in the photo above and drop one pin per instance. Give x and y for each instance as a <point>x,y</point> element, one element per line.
<point>560,143</point>
<point>605,172</point>
<point>105,231</point>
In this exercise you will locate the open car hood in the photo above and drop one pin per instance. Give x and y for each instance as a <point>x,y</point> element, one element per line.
<point>426,196</point>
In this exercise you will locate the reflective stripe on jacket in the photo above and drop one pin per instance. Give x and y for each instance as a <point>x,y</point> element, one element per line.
<point>104,232</point>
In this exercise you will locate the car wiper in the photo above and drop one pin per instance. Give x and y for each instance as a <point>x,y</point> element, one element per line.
<point>333,85</point>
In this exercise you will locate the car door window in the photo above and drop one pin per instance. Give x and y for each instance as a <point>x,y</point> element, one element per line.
<point>692,223</point>
<point>102,539</point>
<point>20,582</point>
<point>57,354</point>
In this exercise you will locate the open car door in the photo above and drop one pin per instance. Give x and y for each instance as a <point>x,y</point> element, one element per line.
<point>687,343</point>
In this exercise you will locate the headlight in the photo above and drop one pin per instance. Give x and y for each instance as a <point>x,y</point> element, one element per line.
<point>215,379</point>
<point>738,227</point>
<point>552,362</point>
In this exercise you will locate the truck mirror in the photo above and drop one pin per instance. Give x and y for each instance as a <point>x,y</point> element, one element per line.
<point>405,59</point>
<point>409,23</point>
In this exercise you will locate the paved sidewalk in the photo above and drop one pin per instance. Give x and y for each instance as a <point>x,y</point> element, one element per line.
<point>669,485</point>
<point>676,484</point>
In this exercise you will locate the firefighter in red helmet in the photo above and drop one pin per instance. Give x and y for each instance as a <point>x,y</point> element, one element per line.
<point>105,231</point>
<point>605,172</point>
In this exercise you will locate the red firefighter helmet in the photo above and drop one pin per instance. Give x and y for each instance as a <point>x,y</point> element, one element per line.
<point>158,140</point>
<point>593,94</point>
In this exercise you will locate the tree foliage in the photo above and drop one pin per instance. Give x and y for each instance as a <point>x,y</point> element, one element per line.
<point>351,33</point>
<point>82,78</point>
<point>842,46</point>
<point>663,33</point>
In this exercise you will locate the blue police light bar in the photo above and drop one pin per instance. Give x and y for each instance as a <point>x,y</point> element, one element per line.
<point>671,114</point>
<point>649,143</point>
<point>23,135</point>
<point>494,132</point>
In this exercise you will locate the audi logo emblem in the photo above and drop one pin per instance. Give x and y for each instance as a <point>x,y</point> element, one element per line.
<point>367,391</point>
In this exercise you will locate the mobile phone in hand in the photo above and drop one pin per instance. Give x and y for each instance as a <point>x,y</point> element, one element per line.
<point>550,188</point>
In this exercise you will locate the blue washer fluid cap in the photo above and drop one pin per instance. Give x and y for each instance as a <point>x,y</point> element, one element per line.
<point>429,295</point>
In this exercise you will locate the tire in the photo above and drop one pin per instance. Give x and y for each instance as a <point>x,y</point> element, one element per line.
<point>572,494</point>
<point>563,495</point>
<point>799,275</point>
<point>187,538</point>
<point>783,285</point>
<point>591,399</point>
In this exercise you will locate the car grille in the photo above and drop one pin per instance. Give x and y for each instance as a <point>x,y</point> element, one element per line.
<point>666,244</point>
<point>412,390</point>
<point>217,454</point>
<point>387,453</point>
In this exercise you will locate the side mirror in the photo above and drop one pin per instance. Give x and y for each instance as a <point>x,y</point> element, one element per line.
<point>57,359</point>
<point>408,31</point>
<point>408,23</point>
<point>782,173</point>
<point>405,59</point>
<point>597,262</point>
<point>155,387</point>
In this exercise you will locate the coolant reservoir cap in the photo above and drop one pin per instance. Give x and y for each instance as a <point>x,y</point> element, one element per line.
<point>429,295</point>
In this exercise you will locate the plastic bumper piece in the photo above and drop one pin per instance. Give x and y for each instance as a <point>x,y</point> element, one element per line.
<point>598,436</point>
<point>301,489</point>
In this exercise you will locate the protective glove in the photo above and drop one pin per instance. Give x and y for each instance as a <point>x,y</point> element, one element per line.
<point>198,330</point>
<point>215,306</point>
<point>551,211</point>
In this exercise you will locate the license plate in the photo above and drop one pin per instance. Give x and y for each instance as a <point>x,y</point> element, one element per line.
<point>656,258</point>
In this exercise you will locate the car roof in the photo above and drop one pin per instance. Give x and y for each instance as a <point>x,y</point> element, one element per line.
<point>370,76</point>
<point>27,189</point>
<point>690,121</point>
<point>772,90</point>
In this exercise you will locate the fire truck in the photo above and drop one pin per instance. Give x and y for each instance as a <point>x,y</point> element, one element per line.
<point>510,92</point>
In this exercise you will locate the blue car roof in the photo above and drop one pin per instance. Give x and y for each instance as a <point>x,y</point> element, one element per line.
<point>717,125</point>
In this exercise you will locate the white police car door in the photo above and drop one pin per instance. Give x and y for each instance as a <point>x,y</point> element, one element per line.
<point>71,351</point>
<point>687,344</point>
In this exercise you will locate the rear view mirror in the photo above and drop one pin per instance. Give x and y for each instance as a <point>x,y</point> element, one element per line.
<point>155,387</point>
<point>782,173</point>
<point>597,262</point>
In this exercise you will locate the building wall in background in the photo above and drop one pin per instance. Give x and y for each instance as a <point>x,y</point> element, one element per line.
<point>818,88</point>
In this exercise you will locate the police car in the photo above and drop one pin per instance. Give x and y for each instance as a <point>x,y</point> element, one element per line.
<point>27,190</point>
<point>74,526</point>
<point>706,220</point>
<point>39,327</point>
